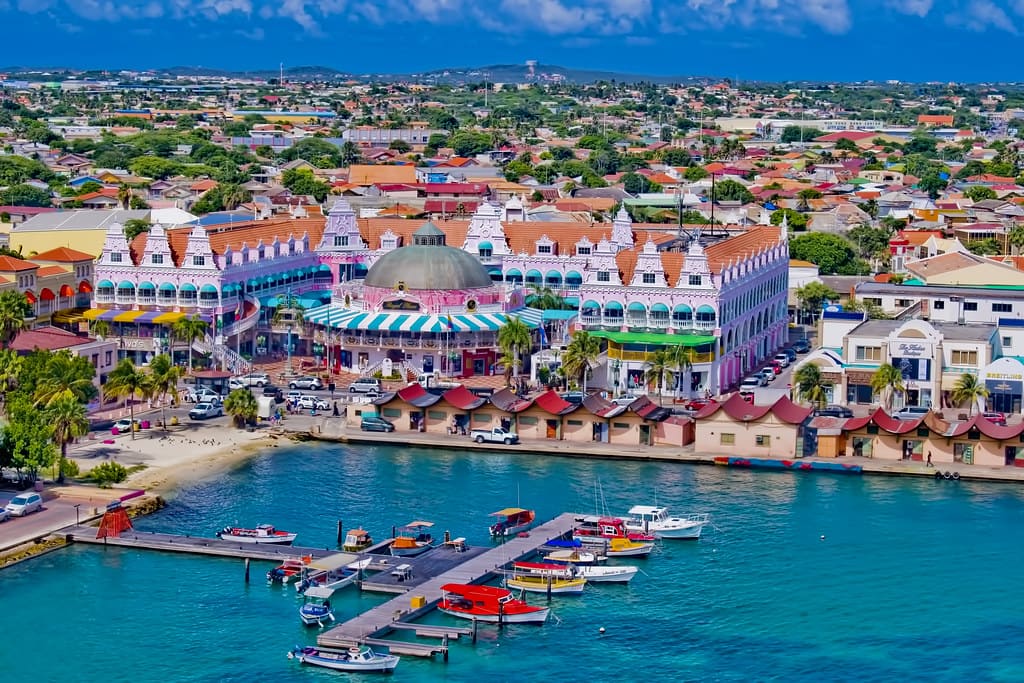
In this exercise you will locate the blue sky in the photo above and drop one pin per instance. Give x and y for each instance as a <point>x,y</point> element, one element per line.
<point>963,40</point>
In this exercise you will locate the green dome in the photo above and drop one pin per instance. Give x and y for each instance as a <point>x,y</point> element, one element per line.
<point>428,264</point>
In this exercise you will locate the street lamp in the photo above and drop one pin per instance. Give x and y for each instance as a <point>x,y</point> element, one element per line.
<point>78,521</point>
<point>616,368</point>
<point>288,349</point>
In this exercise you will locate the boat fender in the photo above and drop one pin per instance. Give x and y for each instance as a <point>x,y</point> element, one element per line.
<point>947,475</point>
<point>956,476</point>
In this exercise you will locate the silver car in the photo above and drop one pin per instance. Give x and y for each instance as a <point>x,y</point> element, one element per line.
<point>24,504</point>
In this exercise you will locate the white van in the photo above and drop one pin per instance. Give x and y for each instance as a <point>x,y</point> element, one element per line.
<point>365,385</point>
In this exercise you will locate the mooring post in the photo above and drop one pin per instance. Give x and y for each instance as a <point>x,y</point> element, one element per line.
<point>392,532</point>
<point>247,570</point>
<point>501,615</point>
<point>549,587</point>
<point>444,647</point>
<point>474,630</point>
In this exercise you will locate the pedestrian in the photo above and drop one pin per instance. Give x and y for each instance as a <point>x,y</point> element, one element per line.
<point>336,413</point>
<point>929,463</point>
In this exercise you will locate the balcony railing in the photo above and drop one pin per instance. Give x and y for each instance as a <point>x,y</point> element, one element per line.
<point>705,325</point>
<point>591,319</point>
<point>104,298</point>
<point>658,323</point>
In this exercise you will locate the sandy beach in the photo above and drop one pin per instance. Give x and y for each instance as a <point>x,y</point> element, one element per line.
<point>184,454</point>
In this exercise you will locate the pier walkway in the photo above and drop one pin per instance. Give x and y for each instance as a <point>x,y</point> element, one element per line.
<point>369,626</point>
<point>196,545</point>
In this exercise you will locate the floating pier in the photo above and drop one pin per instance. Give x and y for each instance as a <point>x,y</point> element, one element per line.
<point>471,567</point>
<point>195,545</point>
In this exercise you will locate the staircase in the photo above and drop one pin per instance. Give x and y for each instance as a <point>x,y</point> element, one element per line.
<point>231,361</point>
<point>246,323</point>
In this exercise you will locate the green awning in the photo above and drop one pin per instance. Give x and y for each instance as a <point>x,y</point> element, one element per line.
<point>654,339</point>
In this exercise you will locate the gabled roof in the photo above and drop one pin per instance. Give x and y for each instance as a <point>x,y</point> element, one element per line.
<point>416,395</point>
<point>602,407</point>
<point>63,255</point>
<point>9,264</point>
<point>508,401</point>
<point>783,410</point>
<point>47,339</point>
<point>551,402</point>
<point>463,399</point>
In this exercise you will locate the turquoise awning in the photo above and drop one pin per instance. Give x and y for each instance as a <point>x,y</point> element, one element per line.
<point>146,285</point>
<point>105,284</point>
<point>165,287</point>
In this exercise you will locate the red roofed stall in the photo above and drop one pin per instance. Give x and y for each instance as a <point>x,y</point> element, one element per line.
<point>738,428</point>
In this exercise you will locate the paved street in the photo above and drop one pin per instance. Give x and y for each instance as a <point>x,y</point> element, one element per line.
<point>56,513</point>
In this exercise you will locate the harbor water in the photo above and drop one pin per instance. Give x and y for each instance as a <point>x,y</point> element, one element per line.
<point>804,577</point>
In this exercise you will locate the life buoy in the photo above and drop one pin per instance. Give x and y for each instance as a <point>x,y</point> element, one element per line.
<point>938,475</point>
<point>956,476</point>
<point>947,475</point>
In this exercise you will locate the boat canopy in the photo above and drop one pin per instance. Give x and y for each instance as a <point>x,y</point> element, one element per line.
<point>357,532</point>
<point>332,562</point>
<point>473,590</point>
<point>418,523</point>
<point>321,592</point>
<point>508,512</point>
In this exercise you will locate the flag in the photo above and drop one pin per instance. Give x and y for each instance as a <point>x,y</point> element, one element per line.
<point>238,310</point>
<point>543,336</point>
<point>451,325</point>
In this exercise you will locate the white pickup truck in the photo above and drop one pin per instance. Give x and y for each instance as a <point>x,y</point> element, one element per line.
<point>495,435</point>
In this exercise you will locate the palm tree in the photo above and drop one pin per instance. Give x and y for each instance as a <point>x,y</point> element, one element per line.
<point>580,355</point>
<point>682,359</point>
<point>10,369</point>
<point>124,196</point>
<point>70,421</point>
<point>188,330</point>
<point>233,195</point>
<point>1016,238</point>
<point>65,375</point>
<point>658,364</point>
<point>545,299</point>
<point>511,363</point>
<point>809,384</point>
<point>164,375</point>
<point>514,340</point>
<point>241,406</point>
<point>101,328</point>
<point>970,390</point>
<point>128,381</point>
<point>14,308</point>
<point>887,381</point>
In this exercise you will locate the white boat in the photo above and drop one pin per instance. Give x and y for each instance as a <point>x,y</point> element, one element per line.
<point>622,574</point>
<point>656,520</point>
<point>316,607</point>
<point>354,659</point>
<point>332,572</point>
<point>577,557</point>
<point>264,533</point>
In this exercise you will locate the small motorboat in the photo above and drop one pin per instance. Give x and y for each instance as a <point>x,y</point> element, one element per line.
<point>316,606</point>
<point>624,547</point>
<point>288,570</point>
<point>554,579</point>
<point>577,557</point>
<point>655,520</point>
<point>488,604</point>
<point>357,540</point>
<point>264,533</point>
<point>412,539</point>
<point>354,659</point>
<point>332,572</point>
<point>513,521</point>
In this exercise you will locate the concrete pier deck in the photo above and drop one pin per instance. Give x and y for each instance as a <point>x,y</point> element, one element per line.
<point>370,626</point>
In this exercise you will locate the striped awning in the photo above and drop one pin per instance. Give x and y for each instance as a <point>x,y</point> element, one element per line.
<point>127,316</point>
<point>530,316</point>
<point>168,318</point>
<point>347,319</point>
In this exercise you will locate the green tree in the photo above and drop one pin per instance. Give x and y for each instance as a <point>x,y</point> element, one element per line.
<point>731,191</point>
<point>846,145</point>
<point>810,385</point>
<point>14,309</point>
<point>545,299</point>
<point>188,330</point>
<point>791,134</point>
<point>580,356</point>
<point>635,183</point>
<point>164,376</point>
<point>108,473</point>
<point>695,173</point>
<point>805,196</point>
<point>154,167</point>
<point>681,363</point>
<point>796,220</point>
<point>129,382</point>
<point>27,441</point>
<point>25,195</point>
<point>887,381</point>
<point>985,247</point>
<point>10,371</point>
<point>868,240</point>
<point>812,297</point>
<point>316,151</point>
<point>242,407</point>
<point>970,390</point>
<point>932,183</point>
<point>971,168</point>
<point>468,143</point>
<point>656,367</point>
<point>979,193</point>
<point>1016,238</point>
<point>674,156</point>
<point>64,376</point>
<point>831,253</point>
<point>302,181</point>
<point>400,146</point>
<point>514,337</point>
<point>133,227</point>
<point>68,420</point>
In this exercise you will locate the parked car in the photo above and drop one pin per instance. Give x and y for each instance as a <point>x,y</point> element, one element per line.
<point>995,418</point>
<point>254,379</point>
<point>365,385</point>
<point>24,504</point>
<point>767,375</point>
<point>273,392</point>
<point>776,367</point>
<point>293,395</point>
<point>204,411</point>
<point>801,346</point>
<point>791,354</point>
<point>911,413</point>
<point>307,383</point>
<point>573,397</point>
<point>696,404</point>
<point>4,515</point>
<point>372,423</point>
<point>202,394</point>
<point>834,411</point>
<point>624,400</point>
<point>234,384</point>
<point>782,359</point>
<point>125,425</point>
<point>494,435</point>
<point>751,383</point>
<point>312,402</point>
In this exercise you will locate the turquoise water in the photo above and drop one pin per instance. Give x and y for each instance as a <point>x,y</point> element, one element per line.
<point>914,580</point>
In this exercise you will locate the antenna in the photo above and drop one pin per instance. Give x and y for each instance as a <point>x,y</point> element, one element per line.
<point>280,80</point>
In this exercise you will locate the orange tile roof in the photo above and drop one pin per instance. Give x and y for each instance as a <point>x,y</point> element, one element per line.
<point>369,175</point>
<point>9,264</point>
<point>744,244</point>
<point>47,271</point>
<point>63,255</point>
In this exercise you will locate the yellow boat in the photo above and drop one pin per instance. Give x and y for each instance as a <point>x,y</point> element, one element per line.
<point>544,578</point>
<point>623,547</point>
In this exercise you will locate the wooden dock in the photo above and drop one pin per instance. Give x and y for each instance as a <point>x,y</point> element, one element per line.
<point>195,545</point>
<point>369,627</point>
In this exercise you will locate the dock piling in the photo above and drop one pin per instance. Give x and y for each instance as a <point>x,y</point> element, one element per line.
<point>444,648</point>
<point>339,532</point>
<point>247,570</point>
<point>474,631</point>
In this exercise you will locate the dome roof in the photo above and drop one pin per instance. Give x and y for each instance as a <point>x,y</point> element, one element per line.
<point>428,264</point>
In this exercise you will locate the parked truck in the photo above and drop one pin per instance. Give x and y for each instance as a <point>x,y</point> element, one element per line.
<point>494,435</point>
<point>432,381</point>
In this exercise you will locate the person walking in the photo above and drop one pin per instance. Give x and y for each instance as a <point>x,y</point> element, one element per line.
<point>929,462</point>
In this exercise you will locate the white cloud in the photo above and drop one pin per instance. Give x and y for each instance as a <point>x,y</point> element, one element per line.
<point>917,8</point>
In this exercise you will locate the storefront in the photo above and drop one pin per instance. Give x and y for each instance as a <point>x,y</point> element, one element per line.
<point>1004,379</point>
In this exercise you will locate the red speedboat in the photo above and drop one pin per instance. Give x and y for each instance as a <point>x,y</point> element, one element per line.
<point>488,604</point>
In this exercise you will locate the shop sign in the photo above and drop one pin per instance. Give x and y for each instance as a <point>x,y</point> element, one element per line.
<point>400,305</point>
<point>911,349</point>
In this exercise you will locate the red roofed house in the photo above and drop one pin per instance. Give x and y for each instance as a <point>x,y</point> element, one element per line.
<point>940,120</point>
<point>101,353</point>
<point>743,429</point>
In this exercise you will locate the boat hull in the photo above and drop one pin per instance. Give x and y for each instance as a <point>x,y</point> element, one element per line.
<point>310,618</point>
<point>410,552</point>
<point>608,574</point>
<point>558,586</point>
<point>537,617</point>
<point>286,539</point>
<point>505,531</point>
<point>388,664</point>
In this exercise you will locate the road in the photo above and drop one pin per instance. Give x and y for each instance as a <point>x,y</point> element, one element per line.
<point>56,513</point>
